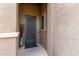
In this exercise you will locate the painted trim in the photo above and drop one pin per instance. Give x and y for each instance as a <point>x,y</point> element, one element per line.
<point>9,34</point>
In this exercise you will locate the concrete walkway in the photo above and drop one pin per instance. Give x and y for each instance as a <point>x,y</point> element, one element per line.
<point>35,51</point>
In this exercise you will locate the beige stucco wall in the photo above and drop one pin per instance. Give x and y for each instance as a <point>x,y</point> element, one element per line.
<point>8,25</point>
<point>29,9</point>
<point>8,46</point>
<point>7,17</point>
<point>64,30</point>
<point>50,29</point>
<point>43,33</point>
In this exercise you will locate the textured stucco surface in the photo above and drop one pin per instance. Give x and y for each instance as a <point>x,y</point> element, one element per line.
<point>66,29</point>
<point>7,25</point>
<point>7,46</point>
<point>50,29</point>
<point>7,17</point>
<point>43,34</point>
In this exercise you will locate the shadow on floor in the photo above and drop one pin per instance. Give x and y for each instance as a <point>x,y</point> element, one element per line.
<point>35,51</point>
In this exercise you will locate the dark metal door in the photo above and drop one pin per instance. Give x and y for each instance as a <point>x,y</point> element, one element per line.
<point>30,31</point>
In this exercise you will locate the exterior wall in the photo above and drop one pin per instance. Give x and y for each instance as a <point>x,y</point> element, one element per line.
<point>32,10</point>
<point>7,17</point>
<point>29,9</point>
<point>7,25</point>
<point>50,29</point>
<point>43,34</point>
<point>65,29</point>
<point>8,46</point>
<point>17,17</point>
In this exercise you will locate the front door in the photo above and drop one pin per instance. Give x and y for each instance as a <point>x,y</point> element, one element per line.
<point>30,32</point>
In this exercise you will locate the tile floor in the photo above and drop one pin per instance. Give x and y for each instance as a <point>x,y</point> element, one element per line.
<point>35,51</point>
